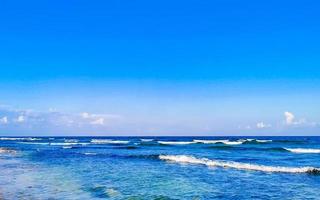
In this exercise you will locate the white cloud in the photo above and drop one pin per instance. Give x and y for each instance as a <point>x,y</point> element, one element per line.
<point>290,121</point>
<point>21,119</point>
<point>4,120</point>
<point>289,118</point>
<point>85,115</point>
<point>262,125</point>
<point>99,121</point>
<point>51,120</point>
<point>52,110</point>
<point>259,125</point>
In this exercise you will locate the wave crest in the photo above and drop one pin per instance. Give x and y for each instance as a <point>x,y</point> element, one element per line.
<point>254,141</point>
<point>302,150</point>
<point>175,142</point>
<point>227,142</point>
<point>146,140</point>
<point>22,138</point>
<point>71,140</point>
<point>107,141</point>
<point>238,165</point>
<point>67,143</point>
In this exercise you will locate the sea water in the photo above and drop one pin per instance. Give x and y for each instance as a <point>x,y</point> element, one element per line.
<point>159,168</point>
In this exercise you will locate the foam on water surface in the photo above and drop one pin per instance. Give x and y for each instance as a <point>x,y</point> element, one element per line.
<point>237,165</point>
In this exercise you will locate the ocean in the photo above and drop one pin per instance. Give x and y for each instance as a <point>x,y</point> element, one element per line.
<point>159,168</point>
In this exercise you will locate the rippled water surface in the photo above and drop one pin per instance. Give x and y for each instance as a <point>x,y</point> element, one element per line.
<point>160,168</point>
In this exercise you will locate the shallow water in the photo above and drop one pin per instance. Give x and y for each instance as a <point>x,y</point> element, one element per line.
<point>160,168</point>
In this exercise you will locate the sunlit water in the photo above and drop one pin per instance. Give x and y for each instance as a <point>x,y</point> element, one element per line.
<point>160,168</point>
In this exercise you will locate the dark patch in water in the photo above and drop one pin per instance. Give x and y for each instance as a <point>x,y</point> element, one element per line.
<point>98,191</point>
<point>314,172</point>
<point>127,147</point>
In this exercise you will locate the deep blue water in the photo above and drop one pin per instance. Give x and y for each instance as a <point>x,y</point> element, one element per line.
<point>160,168</point>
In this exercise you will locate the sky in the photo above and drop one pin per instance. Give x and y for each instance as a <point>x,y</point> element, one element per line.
<point>133,67</point>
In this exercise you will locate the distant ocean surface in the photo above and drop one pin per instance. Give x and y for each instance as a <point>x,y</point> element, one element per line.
<point>159,168</point>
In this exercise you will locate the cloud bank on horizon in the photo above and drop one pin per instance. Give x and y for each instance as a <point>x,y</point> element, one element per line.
<point>52,122</point>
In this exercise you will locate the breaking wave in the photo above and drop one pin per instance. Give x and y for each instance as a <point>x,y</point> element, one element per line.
<point>67,143</point>
<point>146,140</point>
<point>175,142</point>
<point>71,140</point>
<point>107,141</point>
<point>22,138</point>
<point>227,142</point>
<point>90,154</point>
<point>301,150</point>
<point>56,143</point>
<point>237,165</point>
<point>210,141</point>
<point>254,141</point>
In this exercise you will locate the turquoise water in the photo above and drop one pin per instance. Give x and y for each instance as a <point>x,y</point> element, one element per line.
<point>160,168</point>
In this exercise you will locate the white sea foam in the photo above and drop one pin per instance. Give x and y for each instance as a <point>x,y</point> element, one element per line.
<point>219,141</point>
<point>67,143</point>
<point>255,140</point>
<point>146,140</point>
<point>301,150</point>
<point>33,139</point>
<point>249,140</point>
<point>228,142</point>
<point>264,140</point>
<point>210,141</point>
<point>237,165</point>
<point>67,147</point>
<point>107,141</point>
<point>175,142</point>
<point>112,192</point>
<point>71,140</point>
<point>233,142</point>
<point>89,153</point>
<point>7,151</point>
<point>23,138</point>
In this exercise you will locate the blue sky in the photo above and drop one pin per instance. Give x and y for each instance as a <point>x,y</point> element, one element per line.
<point>159,68</point>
